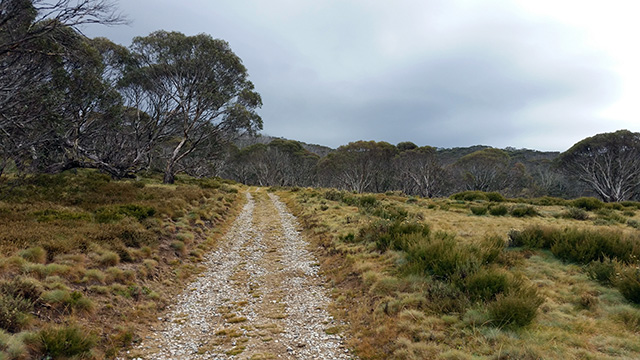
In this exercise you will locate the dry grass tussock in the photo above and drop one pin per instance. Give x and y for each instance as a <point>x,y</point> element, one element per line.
<point>442,279</point>
<point>88,262</point>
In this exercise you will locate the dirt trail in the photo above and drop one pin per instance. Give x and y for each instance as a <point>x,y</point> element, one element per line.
<point>260,297</point>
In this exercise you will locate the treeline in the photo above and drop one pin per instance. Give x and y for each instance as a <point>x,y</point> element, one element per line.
<point>166,103</point>
<point>605,166</point>
<point>172,103</point>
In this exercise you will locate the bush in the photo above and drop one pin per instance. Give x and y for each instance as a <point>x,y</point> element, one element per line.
<point>588,203</point>
<point>25,287</point>
<point>629,317</point>
<point>499,210</point>
<point>470,196</point>
<point>109,258</point>
<point>515,308</point>
<point>442,257</point>
<point>388,212</point>
<point>533,237</point>
<point>368,201</point>
<point>634,224</point>
<point>524,211</point>
<point>490,248</point>
<point>603,272</point>
<point>52,215</point>
<point>66,341</point>
<point>628,283</point>
<point>583,246</point>
<point>35,255</point>
<point>495,197</point>
<point>547,201</point>
<point>386,234</point>
<point>485,285</point>
<point>110,214</point>
<point>178,246</point>
<point>136,211</point>
<point>445,298</point>
<point>14,312</point>
<point>576,214</point>
<point>611,216</point>
<point>631,204</point>
<point>479,210</point>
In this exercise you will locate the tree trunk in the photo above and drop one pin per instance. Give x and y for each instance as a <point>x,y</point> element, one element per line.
<point>169,176</point>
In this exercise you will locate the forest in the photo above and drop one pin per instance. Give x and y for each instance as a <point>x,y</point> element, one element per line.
<point>171,103</point>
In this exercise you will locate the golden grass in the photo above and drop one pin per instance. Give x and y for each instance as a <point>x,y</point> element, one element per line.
<point>102,251</point>
<point>390,316</point>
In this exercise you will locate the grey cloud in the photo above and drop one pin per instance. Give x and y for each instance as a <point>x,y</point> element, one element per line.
<point>435,73</point>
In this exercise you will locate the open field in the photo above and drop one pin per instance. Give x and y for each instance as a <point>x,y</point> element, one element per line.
<point>91,263</point>
<point>86,263</point>
<point>446,279</point>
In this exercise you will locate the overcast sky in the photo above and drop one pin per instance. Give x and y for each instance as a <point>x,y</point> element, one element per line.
<point>538,74</point>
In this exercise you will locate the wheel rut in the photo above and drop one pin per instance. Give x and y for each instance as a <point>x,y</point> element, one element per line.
<point>261,297</point>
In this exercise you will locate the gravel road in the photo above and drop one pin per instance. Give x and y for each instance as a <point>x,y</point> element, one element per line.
<point>260,298</point>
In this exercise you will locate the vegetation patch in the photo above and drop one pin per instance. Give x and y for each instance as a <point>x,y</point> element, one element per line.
<point>79,251</point>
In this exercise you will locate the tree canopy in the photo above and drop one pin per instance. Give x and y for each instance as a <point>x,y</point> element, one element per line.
<point>608,163</point>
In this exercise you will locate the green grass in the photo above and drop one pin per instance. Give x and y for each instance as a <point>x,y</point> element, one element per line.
<point>439,283</point>
<point>79,257</point>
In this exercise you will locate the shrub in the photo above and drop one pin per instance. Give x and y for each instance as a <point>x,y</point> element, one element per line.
<point>485,285</point>
<point>470,196</point>
<point>56,298</point>
<point>52,215</point>
<point>109,214</point>
<point>495,197</point>
<point>136,211</point>
<point>34,254</point>
<point>445,298</point>
<point>634,223</point>
<point>515,308</point>
<point>490,248</point>
<point>547,201</point>
<point>66,341</point>
<point>588,203</point>
<point>611,215</point>
<point>583,246</point>
<point>576,214</point>
<point>389,212</point>
<point>386,234</point>
<point>479,210</point>
<point>629,317</point>
<point>602,271</point>
<point>524,211</point>
<point>178,246</point>
<point>628,283</point>
<point>499,210</point>
<point>631,204</point>
<point>109,258</point>
<point>442,257</point>
<point>368,201</point>
<point>14,312</point>
<point>25,287</point>
<point>534,237</point>
<point>94,276</point>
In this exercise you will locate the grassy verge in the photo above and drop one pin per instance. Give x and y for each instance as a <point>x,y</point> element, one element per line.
<point>87,263</point>
<point>419,278</point>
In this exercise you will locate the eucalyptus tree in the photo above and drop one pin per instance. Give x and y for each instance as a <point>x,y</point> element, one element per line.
<point>37,37</point>
<point>608,163</point>
<point>419,171</point>
<point>195,89</point>
<point>359,166</point>
<point>485,170</point>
